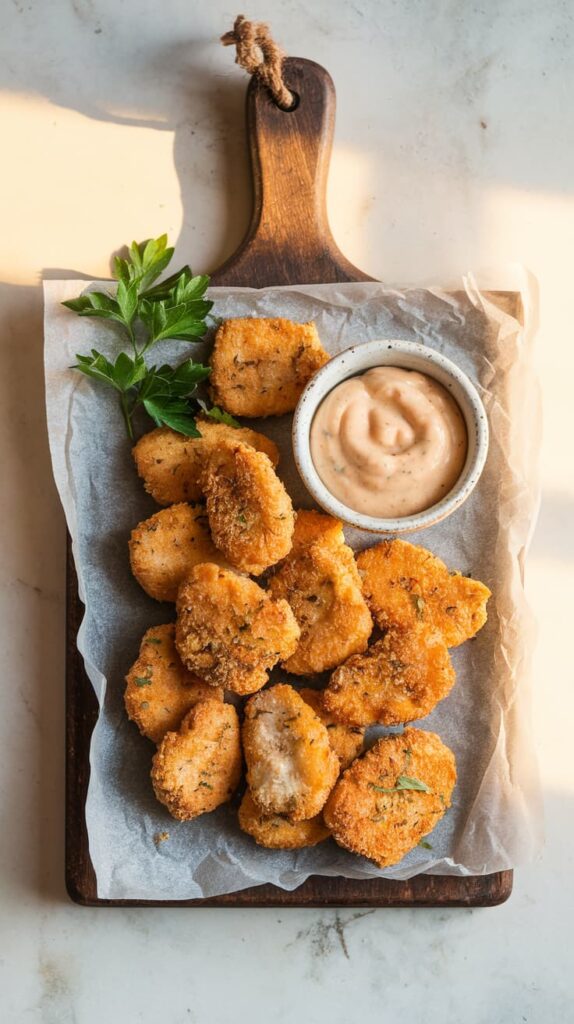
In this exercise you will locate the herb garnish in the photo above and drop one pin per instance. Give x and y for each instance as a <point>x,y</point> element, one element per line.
<point>175,309</point>
<point>142,680</point>
<point>425,845</point>
<point>419,605</point>
<point>403,782</point>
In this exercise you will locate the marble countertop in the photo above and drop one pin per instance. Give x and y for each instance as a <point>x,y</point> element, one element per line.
<point>454,149</point>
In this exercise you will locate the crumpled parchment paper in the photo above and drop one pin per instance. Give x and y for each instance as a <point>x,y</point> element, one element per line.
<point>495,820</point>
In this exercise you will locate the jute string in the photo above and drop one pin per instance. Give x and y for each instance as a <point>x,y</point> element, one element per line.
<point>259,55</point>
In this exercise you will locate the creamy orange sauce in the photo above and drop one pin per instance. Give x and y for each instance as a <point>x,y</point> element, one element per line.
<point>389,443</point>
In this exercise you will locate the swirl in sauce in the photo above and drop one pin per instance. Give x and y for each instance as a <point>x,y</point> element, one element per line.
<point>389,443</point>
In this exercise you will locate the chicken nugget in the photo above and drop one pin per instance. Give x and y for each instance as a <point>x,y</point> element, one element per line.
<point>346,740</point>
<point>198,768</point>
<point>259,367</point>
<point>321,583</point>
<point>398,679</point>
<point>250,513</point>
<point>277,832</point>
<point>390,798</point>
<point>312,526</point>
<point>170,464</point>
<point>230,631</point>
<point>291,767</point>
<point>405,584</point>
<point>159,689</point>
<point>164,548</point>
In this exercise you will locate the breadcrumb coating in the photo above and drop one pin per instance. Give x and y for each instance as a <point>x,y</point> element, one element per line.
<point>405,584</point>
<point>393,796</point>
<point>399,678</point>
<point>165,547</point>
<point>260,366</point>
<point>249,511</point>
<point>159,689</point>
<point>230,631</point>
<point>198,768</point>
<point>170,464</point>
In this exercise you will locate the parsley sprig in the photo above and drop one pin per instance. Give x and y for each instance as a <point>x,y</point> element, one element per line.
<point>174,309</point>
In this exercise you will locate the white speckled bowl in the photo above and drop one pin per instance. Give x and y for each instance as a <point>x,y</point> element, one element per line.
<point>408,356</point>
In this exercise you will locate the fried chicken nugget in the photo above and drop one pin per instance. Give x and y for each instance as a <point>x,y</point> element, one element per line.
<point>385,803</point>
<point>250,513</point>
<point>398,679</point>
<point>405,584</point>
<point>320,581</point>
<point>291,767</point>
<point>346,740</point>
<point>259,367</point>
<point>198,768</point>
<point>312,526</point>
<point>170,464</point>
<point>164,548</point>
<point>277,832</point>
<point>230,631</point>
<point>159,689</point>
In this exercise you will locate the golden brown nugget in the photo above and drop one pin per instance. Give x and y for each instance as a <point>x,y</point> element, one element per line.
<point>170,464</point>
<point>405,585</point>
<point>259,367</point>
<point>398,679</point>
<point>291,767</point>
<point>198,768</point>
<point>230,631</point>
<point>159,689</point>
<point>249,511</point>
<point>276,832</point>
<point>164,549</point>
<point>322,585</point>
<point>312,526</point>
<point>385,803</point>
<point>346,740</point>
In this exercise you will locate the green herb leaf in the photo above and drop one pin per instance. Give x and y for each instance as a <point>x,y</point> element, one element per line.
<point>219,415</point>
<point>419,605</point>
<point>425,845</point>
<point>403,782</point>
<point>174,414</point>
<point>142,681</point>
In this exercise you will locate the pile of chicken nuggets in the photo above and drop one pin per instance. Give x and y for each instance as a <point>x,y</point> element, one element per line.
<point>259,587</point>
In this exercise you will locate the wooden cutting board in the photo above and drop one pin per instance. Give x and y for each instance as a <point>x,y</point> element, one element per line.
<point>288,242</point>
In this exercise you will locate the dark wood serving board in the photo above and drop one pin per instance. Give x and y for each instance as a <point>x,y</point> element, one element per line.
<point>288,242</point>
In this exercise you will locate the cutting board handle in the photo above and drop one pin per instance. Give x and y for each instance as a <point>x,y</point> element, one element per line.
<point>289,240</point>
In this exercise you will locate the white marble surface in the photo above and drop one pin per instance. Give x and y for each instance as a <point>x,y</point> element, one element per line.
<point>454,149</point>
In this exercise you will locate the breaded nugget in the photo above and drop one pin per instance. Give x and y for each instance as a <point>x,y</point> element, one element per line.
<point>249,511</point>
<point>159,689</point>
<point>312,526</point>
<point>276,832</point>
<point>291,767</point>
<point>385,803</point>
<point>321,583</point>
<point>260,367</point>
<point>405,584</point>
<point>346,740</point>
<point>230,631</point>
<point>398,679</point>
<point>198,768</point>
<point>164,548</point>
<point>170,464</point>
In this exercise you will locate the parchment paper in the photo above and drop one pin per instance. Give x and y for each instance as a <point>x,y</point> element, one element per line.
<point>495,821</point>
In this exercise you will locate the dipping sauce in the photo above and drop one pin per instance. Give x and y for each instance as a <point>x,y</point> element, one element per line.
<point>389,443</point>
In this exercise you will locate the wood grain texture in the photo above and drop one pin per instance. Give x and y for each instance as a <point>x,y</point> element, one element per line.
<point>288,242</point>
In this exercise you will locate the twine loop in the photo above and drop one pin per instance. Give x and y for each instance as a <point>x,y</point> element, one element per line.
<point>259,55</point>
